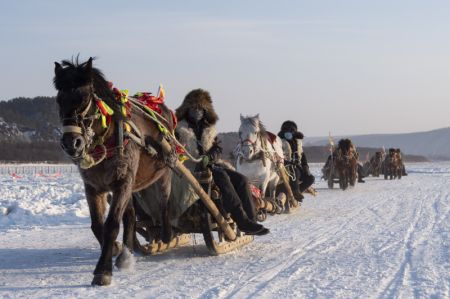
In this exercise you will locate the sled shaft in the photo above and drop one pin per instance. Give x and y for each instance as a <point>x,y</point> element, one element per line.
<point>207,201</point>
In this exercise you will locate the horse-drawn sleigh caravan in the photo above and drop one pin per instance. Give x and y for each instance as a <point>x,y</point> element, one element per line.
<point>126,145</point>
<point>162,174</point>
<point>344,168</point>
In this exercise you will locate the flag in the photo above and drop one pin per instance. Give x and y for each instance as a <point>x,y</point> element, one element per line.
<point>330,139</point>
<point>161,92</point>
<point>331,142</point>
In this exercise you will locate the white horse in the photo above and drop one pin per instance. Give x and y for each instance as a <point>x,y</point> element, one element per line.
<point>258,154</point>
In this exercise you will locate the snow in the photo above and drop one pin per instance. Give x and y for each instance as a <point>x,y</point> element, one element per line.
<point>381,239</point>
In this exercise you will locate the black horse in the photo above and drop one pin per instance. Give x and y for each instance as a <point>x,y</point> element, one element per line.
<point>108,162</point>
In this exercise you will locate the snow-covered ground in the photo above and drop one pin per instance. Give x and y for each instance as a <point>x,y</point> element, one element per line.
<point>382,239</point>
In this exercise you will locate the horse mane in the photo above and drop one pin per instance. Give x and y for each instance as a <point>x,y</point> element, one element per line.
<point>255,122</point>
<point>75,74</point>
<point>345,145</point>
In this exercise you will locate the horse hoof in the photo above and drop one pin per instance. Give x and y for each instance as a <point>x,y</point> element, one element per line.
<point>125,260</point>
<point>101,280</point>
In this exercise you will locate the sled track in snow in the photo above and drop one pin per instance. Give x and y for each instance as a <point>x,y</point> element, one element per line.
<point>382,239</point>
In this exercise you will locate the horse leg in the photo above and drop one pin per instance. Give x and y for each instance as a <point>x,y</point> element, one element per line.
<point>278,201</point>
<point>125,259</point>
<point>345,179</point>
<point>354,174</point>
<point>97,207</point>
<point>121,197</point>
<point>272,185</point>
<point>264,186</point>
<point>165,183</point>
<point>341,179</point>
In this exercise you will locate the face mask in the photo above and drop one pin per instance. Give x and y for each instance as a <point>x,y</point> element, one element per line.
<point>196,114</point>
<point>288,135</point>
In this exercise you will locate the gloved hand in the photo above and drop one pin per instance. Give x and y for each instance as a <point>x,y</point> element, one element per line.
<point>298,135</point>
<point>297,163</point>
<point>215,151</point>
<point>203,164</point>
<point>205,161</point>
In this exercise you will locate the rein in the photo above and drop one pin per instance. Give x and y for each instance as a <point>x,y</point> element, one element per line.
<point>95,143</point>
<point>92,140</point>
<point>261,153</point>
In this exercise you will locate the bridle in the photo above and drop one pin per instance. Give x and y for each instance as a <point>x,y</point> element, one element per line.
<point>260,152</point>
<point>253,144</point>
<point>82,123</point>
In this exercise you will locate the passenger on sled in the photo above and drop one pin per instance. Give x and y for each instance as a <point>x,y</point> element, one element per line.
<point>400,156</point>
<point>196,130</point>
<point>295,159</point>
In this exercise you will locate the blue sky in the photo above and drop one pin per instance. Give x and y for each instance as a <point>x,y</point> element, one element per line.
<point>349,67</point>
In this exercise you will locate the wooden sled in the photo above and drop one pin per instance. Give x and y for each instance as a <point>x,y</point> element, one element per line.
<point>155,247</point>
<point>267,206</point>
<point>220,244</point>
<point>195,220</point>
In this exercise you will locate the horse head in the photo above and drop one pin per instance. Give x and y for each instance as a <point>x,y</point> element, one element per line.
<point>378,157</point>
<point>345,151</point>
<point>79,86</point>
<point>249,135</point>
<point>392,156</point>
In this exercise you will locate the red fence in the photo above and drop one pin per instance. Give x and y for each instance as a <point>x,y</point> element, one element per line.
<point>37,169</point>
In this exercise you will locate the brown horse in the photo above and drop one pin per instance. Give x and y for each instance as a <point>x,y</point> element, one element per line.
<point>343,165</point>
<point>393,166</point>
<point>107,161</point>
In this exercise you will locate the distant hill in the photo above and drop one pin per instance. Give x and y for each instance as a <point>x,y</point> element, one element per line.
<point>25,119</point>
<point>314,154</point>
<point>30,131</point>
<point>433,144</point>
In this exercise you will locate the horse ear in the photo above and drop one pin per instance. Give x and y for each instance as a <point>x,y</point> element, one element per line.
<point>88,68</point>
<point>58,68</point>
<point>242,118</point>
<point>257,116</point>
<point>89,65</point>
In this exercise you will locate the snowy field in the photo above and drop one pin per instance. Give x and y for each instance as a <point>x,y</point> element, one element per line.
<point>382,239</point>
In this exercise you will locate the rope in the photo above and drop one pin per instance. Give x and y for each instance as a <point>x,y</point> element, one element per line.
<point>154,117</point>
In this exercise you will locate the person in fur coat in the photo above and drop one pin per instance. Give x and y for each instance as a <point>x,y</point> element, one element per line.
<point>292,144</point>
<point>196,130</point>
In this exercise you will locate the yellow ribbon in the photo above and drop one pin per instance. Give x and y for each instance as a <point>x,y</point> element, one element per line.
<point>123,100</point>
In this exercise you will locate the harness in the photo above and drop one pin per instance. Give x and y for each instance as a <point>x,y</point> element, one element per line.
<point>98,147</point>
<point>295,159</point>
<point>95,150</point>
<point>264,153</point>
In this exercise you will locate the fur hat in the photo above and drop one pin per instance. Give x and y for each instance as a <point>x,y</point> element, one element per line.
<point>289,125</point>
<point>197,98</point>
